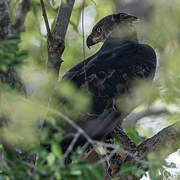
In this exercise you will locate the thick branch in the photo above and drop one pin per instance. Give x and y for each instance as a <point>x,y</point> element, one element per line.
<point>63,18</point>
<point>167,140</point>
<point>133,118</point>
<point>55,42</point>
<point>163,143</point>
<point>21,13</point>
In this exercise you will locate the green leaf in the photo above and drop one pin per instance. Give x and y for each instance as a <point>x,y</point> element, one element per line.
<point>98,171</point>
<point>51,159</point>
<point>58,175</point>
<point>56,150</point>
<point>134,135</point>
<point>76,172</point>
<point>127,167</point>
<point>3,67</point>
<point>13,40</point>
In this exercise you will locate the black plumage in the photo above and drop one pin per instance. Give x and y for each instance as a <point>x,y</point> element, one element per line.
<point>110,72</point>
<point>121,60</point>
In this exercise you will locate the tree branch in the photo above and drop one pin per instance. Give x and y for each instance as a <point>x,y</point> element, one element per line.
<point>133,118</point>
<point>91,130</point>
<point>23,8</point>
<point>45,18</point>
<point>62,19</point>
<point>55,40</point>
<point>70,148</point>
<point>167,140</point>
<point>163,143</point>
<point>123,139</point>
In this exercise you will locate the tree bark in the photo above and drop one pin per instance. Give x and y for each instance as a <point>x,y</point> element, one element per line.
<point>55,39</point>
<point>162,144</point>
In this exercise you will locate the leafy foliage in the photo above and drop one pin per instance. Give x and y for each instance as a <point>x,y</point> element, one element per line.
<point>35,161</point>
<point>129,168</point>
<point>10,53</point>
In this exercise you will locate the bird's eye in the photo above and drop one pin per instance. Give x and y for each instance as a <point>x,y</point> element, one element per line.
<point>98,29</point>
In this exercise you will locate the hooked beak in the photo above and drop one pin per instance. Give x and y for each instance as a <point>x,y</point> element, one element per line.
<point>92,40</point>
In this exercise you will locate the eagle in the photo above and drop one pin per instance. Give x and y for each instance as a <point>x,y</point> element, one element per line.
<point>111,71</point>
<point>122,59</point>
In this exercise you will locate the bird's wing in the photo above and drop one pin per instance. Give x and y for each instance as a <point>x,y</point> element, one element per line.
<point>112,71</point>
<point>74,71</point>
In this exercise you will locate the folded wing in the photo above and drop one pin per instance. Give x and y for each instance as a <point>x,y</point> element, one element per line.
<point>111,72</point>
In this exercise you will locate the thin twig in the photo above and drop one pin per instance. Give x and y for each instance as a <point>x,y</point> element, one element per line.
<point>45,18</point>
<point>70,148</point>
<point>73,124</point>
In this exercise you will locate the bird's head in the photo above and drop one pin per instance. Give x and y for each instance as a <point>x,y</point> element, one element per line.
<point>105,26</point>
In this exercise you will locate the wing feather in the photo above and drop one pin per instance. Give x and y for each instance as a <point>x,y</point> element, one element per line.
<point>111,72</point>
